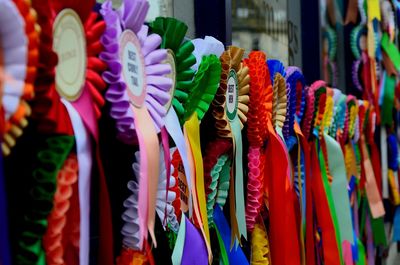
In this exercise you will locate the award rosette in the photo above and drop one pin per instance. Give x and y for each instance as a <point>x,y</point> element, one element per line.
<point>69,97</point>
<point>229,109</point>
<point>164,209</point>
<point>281,194</point>
<point>180,57</point>
<point>200,96</point>
<point>260,110</point>
<point>138,91</point>
<point>19,58</point>
<point>52,162</point>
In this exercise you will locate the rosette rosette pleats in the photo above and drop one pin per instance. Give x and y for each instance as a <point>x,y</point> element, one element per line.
<point>50,159</point>
<point>181,59</point>
<point>18,75</point>
<point>229,109</point>
<point>260,111</point>
<point>138,91</point>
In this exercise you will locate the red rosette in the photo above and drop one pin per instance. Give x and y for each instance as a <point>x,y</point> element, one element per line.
<point>260,105</point>
<point>48,108</point>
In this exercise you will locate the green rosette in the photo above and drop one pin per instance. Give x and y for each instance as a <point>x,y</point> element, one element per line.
<point>205,85</point>
<point>172,32</point>
<point>355,37</point>
<point>220,170</point>
<point>331,37</point>
<point>50,159</point>
<point>223,182</point>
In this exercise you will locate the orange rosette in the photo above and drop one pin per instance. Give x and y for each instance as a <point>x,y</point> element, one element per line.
<point>260,112</point>
<point>231,60</point>
<point>56,236</point>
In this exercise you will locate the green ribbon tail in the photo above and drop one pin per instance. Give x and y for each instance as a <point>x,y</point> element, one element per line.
<point>224,254</point>
<point>331,203</point>
<point>388,100</point>
<point>239,195</point>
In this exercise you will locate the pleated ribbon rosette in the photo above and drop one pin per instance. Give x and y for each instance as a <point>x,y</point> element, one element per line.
<point>138,91</point>
<point>41,227</point>
<point>164,208</point>
<point>260,111</point>
<point>204,86</point>
<point>18,68</point>
<point>180,57</point>
<point>229,109</point>
<point>69,97</point>
<point>281,194</point>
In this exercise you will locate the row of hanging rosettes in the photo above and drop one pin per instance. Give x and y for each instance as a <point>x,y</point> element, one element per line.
<point>231,159</point>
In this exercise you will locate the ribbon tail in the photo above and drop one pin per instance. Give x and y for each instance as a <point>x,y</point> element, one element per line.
<point>177,253</point>
<point>85,165</point>
<point>167,161</point>
<point>173,127</point>
<point>149,172</point>
<point>193,135</point>
<point>239,194</point>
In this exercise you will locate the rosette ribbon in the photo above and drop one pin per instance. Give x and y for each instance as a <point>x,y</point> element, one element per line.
<point>164,208</point>
<point>69,99</point>
<point>181,59</point>
<point>18,70</point>
<point>281,194</point>
<point>296,106</point>
<point>337,169</point>
<point>371,189</point>
<point>205,85</point>
<point>230,107</point>
<point>138,91</point>
<point>260,111</point>
<point>322,197</point>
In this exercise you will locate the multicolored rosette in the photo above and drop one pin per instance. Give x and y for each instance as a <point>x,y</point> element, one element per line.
<point>339,113</point>
<point>278,177</point>
<point>229,109</point>
<point>311,109</point>
<point>18,73</point>
<point>260,111</point>
<point>358,44</point>
<point>138,92</point>
<point>295,78</point>
<point>279,102</point>
<point>51,158</point>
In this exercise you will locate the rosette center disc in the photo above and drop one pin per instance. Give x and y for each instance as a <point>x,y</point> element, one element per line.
<point>232,95</point>
<point>70,45</point>
<point>133,67</point>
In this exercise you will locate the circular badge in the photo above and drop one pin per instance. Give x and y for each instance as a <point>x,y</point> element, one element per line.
<point>232,95</point>
<point>171,61</point>
<point>70,45</point>
<point>133,67</point>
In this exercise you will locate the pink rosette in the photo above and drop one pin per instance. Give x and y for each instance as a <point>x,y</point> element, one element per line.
<point>254,185</point>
